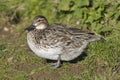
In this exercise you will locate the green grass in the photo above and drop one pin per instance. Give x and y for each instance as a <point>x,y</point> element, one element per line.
<point>102,60</point>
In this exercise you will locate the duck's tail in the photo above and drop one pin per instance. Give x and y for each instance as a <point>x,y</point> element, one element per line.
<point>95,38</point>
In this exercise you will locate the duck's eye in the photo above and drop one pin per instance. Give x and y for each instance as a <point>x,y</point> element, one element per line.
<point>39,20</point>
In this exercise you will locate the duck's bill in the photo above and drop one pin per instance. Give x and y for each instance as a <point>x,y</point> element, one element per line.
<point>29,28</point>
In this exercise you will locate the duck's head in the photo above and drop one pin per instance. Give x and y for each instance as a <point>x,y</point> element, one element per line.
<point>39,23</point>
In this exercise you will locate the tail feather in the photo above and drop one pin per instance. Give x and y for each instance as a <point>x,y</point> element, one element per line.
<point>95,38</point>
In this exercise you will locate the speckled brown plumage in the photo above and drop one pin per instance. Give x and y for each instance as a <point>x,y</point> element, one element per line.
<point>57,41</point>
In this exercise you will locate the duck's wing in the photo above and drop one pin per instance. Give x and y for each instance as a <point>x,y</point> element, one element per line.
<point>73,33</point>
<point>83,35</point>
<point>71,30</point>
<point>79,31</point>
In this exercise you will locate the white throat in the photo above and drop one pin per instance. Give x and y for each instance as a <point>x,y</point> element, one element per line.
<point>41,26</point>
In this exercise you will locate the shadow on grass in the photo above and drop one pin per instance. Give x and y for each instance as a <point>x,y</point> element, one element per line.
<point>79,58</point>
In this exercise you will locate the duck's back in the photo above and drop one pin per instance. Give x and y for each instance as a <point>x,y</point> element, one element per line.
<point>74,33</point>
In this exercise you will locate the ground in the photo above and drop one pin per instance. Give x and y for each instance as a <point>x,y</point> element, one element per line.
<point>100,61</point>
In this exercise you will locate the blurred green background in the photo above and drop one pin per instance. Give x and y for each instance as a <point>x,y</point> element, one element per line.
<point>102,62</point>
